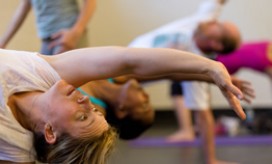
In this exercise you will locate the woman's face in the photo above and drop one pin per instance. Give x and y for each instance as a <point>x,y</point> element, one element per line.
<point>138,104</point>
<point>72,113</point>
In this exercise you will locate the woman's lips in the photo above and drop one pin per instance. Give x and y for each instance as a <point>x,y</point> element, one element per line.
<point>70,90</point>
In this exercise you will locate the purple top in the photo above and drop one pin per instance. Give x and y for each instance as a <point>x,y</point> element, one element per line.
<point>256,56</point>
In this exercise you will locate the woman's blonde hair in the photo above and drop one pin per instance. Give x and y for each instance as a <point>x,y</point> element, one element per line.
<point>70,150</point>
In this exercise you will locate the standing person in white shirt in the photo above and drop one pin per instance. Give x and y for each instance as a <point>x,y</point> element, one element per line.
<point>202,34</point>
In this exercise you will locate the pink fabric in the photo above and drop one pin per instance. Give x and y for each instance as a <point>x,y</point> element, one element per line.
<point>250,55</point>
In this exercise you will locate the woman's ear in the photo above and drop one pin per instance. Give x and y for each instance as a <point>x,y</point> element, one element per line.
<point>49,134</point>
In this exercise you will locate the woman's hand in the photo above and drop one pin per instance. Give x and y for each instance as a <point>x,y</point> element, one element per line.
<point>245,87</point>
<point>232,93</point>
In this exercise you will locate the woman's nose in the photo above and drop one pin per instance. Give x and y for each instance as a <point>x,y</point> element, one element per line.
<point>83,99</point>
<point>146,96</point>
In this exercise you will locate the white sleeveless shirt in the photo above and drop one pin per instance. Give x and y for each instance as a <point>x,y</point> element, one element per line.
<point>20,71</point>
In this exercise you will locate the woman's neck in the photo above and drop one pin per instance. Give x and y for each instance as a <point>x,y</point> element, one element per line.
<point>106,91</point>
<point>24,108</point>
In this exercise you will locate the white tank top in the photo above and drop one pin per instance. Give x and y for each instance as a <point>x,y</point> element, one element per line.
<point>20,71</point>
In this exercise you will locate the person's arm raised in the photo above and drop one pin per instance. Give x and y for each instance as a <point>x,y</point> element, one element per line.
<point>244,85</point>
<point>210,9</point>
<point>16,22</point>
<point>83,65</point>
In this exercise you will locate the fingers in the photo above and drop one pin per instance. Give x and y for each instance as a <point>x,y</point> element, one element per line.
<point>248,100</point>
<point>62,49</point>
<point>57,34</point>
<point>232,94</point>
<point>245,87</point>
<point>53,44</point>
<point>235,104</point>
<point>244,82</point>
<point>238,108</point>
<point>56,39</point>
<point>248,91</point>
<point>235,91</point>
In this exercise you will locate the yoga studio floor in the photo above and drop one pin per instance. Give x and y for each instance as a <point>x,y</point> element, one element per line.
<point>151,148</point>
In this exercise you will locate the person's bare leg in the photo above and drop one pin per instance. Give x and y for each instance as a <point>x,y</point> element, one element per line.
<point>205,122</point>
<point>186,130</point>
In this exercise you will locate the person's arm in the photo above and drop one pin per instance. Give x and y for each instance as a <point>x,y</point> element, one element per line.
<point>83,65</point>
<point>246,87</point>
<point>210,9</point>
<point>174,77</point>
<point>243,85</point>
<point>16,22</point>
<point>68,38</point>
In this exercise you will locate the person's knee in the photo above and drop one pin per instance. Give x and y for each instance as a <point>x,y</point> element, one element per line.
<point>203,115</point>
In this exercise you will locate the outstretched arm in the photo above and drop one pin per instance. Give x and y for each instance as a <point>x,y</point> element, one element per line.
<point>83,65</point>
<point>173,76</point>
<point>243,85</point>
<point>16,22</point>
<point>210,8</point>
